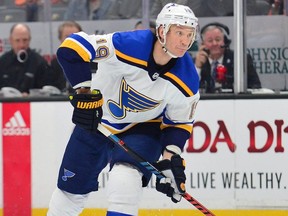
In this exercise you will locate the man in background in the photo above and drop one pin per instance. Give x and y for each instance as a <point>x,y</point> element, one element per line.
<point>215,61</point>
<point>23,68</point>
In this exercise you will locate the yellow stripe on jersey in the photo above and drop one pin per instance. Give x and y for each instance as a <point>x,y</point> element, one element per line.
<point>73,45</point>
<point>180,82</point>
<point>182,126</point>
<point>131,59</point>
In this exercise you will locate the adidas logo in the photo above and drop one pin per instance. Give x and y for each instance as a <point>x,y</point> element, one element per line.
<point>16,126</point>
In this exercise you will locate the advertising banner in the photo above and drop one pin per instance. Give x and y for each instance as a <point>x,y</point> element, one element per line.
<point>236,159</point>
<point>16,147</point>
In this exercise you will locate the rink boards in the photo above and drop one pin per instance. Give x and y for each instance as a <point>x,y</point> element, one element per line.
<point>236,159</point>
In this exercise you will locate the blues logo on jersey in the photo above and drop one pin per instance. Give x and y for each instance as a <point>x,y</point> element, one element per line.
<point>130,101</point>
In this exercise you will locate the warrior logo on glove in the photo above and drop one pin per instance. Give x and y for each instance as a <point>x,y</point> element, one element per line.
<point>87,109</point>
<point>90,105</point>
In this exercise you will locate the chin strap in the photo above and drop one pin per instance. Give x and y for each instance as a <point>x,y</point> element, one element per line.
<point>169,53</point>
<point>164,45</point>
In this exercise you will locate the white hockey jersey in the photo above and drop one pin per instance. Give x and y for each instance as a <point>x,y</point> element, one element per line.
<point>134,88</point>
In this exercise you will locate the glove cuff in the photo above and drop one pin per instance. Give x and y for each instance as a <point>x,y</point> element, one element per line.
<point>85,84</point>
<point>173,149</point>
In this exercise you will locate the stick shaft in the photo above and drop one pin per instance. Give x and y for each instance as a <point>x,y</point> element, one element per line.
<point>150,167</point>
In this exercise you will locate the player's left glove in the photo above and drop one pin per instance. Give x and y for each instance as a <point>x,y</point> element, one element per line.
<point>174,183</point>
<point>87,109</point>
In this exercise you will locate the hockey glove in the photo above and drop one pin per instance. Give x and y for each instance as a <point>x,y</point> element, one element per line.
<point>174,183</point>
<point>87,109</point>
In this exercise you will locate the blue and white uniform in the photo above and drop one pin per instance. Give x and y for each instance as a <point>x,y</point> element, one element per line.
<point>134,88</point>
<point>149,106</point>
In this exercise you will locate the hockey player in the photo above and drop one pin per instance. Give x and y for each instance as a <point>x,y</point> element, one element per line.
<point>150,91</point>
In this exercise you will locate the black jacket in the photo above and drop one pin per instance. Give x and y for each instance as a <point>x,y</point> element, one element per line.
<point>30,74</point>
<point>207,82</point>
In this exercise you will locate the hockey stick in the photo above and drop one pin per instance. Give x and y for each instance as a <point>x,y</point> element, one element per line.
<point>150,167</point>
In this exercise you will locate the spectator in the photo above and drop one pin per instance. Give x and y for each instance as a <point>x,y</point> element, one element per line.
<point>276,7</point>
<point>215,61</point>
<point>98,9</point>
<point>124,9</point>
<point>22,68</point>
<point>139,26</point>
<point>31,8</point>
<point>200,8</point>
<point>77,10</point>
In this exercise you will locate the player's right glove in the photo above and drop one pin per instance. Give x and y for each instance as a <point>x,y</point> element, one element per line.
<point>87,109</point>
<point>173,185</point>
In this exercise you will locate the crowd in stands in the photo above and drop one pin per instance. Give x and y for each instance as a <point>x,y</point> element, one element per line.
<point>24,69</point>
<point>20,55</point>
<point>33,10</point>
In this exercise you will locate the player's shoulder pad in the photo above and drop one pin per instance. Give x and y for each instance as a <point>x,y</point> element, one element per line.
<point>133,45</point>
<point>184,76</point>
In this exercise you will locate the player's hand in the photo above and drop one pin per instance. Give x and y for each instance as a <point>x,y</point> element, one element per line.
<point>174,183</point>
<point>87,109</point>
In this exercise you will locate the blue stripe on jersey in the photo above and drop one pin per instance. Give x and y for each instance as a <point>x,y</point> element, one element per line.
<point>85,43</point>
<point>175,136</point>
<point>77,72</point>
<point>136,44</point>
